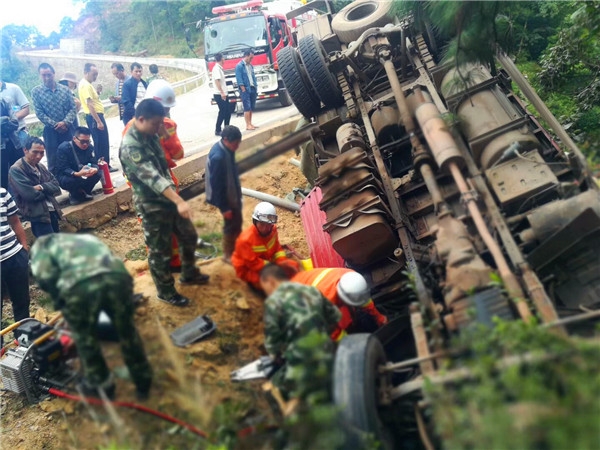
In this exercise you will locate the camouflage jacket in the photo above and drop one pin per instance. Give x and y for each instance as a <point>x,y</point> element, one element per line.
<point>291,313</point>
<point>60,261</point>
<point>146,168</point>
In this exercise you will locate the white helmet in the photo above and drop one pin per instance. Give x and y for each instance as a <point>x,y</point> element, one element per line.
<point>353,290</point>
<point>162,91</point>
<point>265,212</point>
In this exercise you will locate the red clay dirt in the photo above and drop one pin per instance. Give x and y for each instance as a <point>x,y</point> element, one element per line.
<point>189,382</point>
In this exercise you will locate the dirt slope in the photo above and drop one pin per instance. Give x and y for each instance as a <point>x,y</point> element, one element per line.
<point>188,382</point>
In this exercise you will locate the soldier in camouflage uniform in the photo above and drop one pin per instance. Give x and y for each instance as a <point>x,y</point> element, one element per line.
<point>84,278</point>
<point>298,321</point>
<point>163,212</point>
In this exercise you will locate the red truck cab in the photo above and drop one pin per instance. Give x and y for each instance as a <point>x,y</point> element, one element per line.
<point>243,26</point>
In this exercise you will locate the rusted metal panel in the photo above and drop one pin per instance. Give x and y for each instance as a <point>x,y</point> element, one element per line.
<point>319,242</point>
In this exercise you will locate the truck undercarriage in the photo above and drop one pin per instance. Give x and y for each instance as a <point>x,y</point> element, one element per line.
<point>443,190</point>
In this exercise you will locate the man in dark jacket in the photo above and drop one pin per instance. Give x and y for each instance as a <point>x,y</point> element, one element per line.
<point>10,144</point>
<point>34,189</point>
<point>223,188</point>
<point>75,168</point>
<point>134,90</point>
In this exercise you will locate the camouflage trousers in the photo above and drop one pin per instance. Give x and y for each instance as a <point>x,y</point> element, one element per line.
<point>158,227</point>
<point>111,293</point>
<point>307,371</point>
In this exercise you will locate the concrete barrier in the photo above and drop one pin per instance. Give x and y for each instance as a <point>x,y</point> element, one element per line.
<point>106,207</point>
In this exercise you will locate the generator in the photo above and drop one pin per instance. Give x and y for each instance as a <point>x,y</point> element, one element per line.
<point>40,360</point>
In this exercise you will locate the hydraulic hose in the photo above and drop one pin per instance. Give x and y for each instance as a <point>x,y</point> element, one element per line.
<point>142,408</point>
<point>96,401</point>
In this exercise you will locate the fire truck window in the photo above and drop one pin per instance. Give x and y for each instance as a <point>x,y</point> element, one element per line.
<point>275,30</point>
<point>283,32</point>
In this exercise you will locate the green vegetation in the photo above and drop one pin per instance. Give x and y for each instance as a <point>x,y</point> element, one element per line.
<point>137,254</point>
<point>549,401</point>
<point>556,44</point>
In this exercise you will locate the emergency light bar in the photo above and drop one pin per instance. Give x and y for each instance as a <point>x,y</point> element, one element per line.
<point>237,7</point>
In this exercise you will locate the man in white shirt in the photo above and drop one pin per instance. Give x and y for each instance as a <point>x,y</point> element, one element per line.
<point>220,94</point>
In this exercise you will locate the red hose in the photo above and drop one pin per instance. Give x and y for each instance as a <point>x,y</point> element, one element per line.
<point>142,408</point>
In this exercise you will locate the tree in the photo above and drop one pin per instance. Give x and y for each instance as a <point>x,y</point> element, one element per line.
<point>66,26</point>
<point>20,35</point>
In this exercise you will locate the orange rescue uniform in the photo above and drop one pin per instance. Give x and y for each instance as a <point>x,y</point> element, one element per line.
<point>253,252</point>
<point>326,281</point>
<point>173,150</point>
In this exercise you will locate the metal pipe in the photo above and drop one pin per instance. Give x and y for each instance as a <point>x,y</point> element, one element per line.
<point>509,278</point>
<point>295,207</point>
<point>260,157</point>
<point>432,186</point>
<point>541,107</point>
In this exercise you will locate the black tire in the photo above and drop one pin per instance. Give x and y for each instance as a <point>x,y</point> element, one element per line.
<point>296,82</point>
<point>323,81</point>
<point>284,97</point>
<point>360,15</point>
<point>356,382</point>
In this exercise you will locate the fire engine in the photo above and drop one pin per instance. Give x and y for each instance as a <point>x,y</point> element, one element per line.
<point>243,26</point>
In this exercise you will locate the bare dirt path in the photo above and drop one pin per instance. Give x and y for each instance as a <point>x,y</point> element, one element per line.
<point>190,382</point>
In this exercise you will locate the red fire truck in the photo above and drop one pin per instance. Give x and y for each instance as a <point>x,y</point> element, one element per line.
<point>243,26</point>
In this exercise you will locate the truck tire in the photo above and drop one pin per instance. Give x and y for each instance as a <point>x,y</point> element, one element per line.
<point>297,83</point>
<point>284,97</point>
<point>323,81</point>
<point>360,15</point>
<point>356,382</point>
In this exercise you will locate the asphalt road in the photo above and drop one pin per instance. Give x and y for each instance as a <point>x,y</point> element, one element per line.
<point>195,118</point>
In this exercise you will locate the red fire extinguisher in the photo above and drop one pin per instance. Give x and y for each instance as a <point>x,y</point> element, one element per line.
<point>107,185</point>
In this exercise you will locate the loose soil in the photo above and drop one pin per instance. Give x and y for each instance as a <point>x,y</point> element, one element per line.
<point>189,383</point>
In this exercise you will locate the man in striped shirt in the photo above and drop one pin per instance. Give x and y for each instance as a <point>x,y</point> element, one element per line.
<point>14,257</point>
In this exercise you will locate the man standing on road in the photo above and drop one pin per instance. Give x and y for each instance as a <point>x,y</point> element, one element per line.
<point>20,107</point>
<point>76,169</point>
<point>35,189</point>
<point>220,94</point>
<point>134,91</point>
<point>298,321</point>
<point>162,210</point>
<point>84,278</point>
<point>14,258</point>
<point>55,108</point>
<point>223,188</point>
<point>246,80</point>
<point>118,71</point>
<point>94,113</point>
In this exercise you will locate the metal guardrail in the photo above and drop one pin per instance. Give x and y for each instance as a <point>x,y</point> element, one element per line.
<point>192,65</point>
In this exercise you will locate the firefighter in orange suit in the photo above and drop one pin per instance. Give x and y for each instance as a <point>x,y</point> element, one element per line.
<point>259,245</point>
<point>163,92</point>
<point>348,290</point>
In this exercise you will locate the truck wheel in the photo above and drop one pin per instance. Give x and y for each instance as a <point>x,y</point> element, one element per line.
<point>360,15</point>
<point>297,83</point>
<point>356,382</point>
<point>284,97</point>
<point>323,81</point>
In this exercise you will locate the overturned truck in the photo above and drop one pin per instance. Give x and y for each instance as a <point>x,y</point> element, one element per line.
<point>432,181</point>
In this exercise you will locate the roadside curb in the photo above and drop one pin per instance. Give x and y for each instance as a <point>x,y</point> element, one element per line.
<point>106,207</point>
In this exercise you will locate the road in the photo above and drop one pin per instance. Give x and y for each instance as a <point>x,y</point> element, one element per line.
<point>195,118</point>
<point>194,114</point>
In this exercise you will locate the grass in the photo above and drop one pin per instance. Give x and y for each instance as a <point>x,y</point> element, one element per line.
<point>137,254</point>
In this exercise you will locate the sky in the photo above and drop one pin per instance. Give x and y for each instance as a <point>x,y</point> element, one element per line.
<point>45,15</point>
